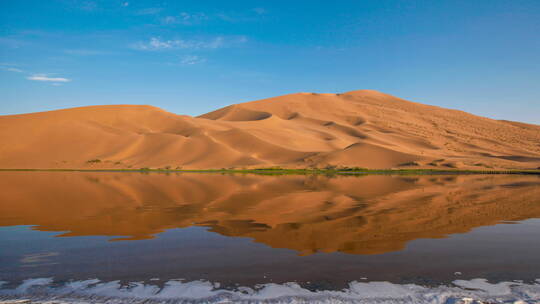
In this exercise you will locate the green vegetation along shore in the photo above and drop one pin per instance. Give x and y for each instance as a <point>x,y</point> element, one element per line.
<point>306,171</point>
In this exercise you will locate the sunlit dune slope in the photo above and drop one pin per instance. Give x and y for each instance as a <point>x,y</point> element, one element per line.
<point>356,129</point>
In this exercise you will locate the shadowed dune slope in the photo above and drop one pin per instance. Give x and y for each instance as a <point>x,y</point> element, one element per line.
<point>360,128</point>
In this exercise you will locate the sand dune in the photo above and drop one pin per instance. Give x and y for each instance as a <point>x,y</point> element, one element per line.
<point>360,128</point>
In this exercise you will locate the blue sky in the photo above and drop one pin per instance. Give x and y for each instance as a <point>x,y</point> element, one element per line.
<point>191,57</point>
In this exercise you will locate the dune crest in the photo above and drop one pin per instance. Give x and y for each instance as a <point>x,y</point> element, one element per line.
<point>362,128</point>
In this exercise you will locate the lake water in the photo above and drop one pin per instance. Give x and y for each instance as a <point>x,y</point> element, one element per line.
<point>214,236</point>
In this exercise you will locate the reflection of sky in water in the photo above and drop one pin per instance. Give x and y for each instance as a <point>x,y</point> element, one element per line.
<point>194,253</point>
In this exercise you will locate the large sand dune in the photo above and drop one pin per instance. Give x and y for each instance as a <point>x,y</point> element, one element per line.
<point>361,128</point>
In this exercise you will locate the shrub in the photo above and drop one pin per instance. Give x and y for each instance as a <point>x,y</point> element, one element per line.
<point>413,163</point>
<point>352,169</point>
<point>359,169</point>
<point>94,161</point>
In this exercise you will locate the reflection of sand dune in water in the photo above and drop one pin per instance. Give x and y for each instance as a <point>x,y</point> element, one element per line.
<point>360,215</point>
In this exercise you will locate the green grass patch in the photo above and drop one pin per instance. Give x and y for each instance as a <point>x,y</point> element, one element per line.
<point>306,171</point>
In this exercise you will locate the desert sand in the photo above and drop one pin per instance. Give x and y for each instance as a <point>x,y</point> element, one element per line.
<point>349,214</point>
<point>363,128</point>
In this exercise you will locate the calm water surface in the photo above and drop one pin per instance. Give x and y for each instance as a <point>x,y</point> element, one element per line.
<point>322,232</point>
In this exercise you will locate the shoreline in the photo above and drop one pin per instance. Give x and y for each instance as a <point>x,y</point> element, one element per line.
<point>42,290</point>
<point>282,171</point>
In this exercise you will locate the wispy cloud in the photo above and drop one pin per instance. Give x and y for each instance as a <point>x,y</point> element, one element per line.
<point>88,5</point>
<point>260,10</point>
<point>191,60</point>
<point>149,11</point>
<point>157,44</point>
<point>169,20</point>
<point>55,81</point>
<point>12,42</point>
<point>11,69</point>
<point>225,17</point>
<point>252,15</point>
<point>185,18</point>
<point>193,18</point>
<point>84,52</point>
<point>44,77</point>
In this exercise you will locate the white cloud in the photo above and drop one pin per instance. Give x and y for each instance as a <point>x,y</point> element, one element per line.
<point>11,69</point>
<point>55,81</point>
<point>191,60</point>
<point>43,77</point>
<point>157,44</point>
<point>14,70</point>
<point>125,4</point>
<point>185,18</point>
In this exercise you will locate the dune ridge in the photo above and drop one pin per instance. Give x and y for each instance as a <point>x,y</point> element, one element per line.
<point>363,128</point>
